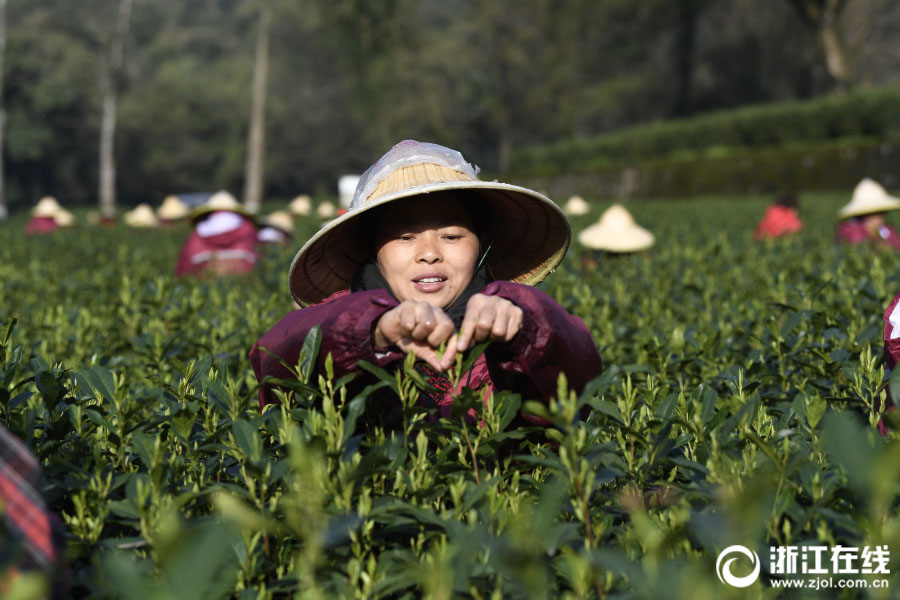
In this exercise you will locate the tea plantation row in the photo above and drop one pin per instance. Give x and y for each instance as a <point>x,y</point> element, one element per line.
<point>737,407</point>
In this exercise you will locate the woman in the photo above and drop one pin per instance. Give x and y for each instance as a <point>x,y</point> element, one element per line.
<point>43,217</point>
<point>614,234</point>
<point>426,255</point>
<point>863,217</point>
<point>223,241</point>
<point>781,219</point>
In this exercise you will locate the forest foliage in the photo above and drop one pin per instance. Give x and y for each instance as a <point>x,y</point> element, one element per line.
<point>349,78</point>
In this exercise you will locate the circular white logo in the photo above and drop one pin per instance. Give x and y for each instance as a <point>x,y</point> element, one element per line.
<point>724,570</point>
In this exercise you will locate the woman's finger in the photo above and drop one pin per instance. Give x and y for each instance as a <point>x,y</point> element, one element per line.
<point>515,323</point>
<point>406,318</point>
<point>468,323</point>
<point>449,356</point>
<point>425,322</point>
<point>484,322</point>
<point>442,330</point>
<point>501,321</point>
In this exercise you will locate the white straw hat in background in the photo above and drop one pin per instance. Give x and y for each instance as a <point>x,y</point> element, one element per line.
<point>46,207</point>
<point>173,209</point>
<point>220,201</point>
<point>301,205</point>
<point>616,231</point>
<point>140,216</point>
<point>868,197</point>
<point>280,220</point>
<point>64,218</point>
<point>326,210</point>
<point>576,206</point>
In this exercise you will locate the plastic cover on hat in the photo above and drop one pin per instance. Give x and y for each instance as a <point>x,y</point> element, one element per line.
<point>404,154</point>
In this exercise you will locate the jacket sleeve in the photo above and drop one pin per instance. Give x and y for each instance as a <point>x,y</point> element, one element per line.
<point>346,322</point>
<point>550,341</point>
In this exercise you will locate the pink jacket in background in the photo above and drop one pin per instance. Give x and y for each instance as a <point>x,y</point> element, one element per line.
<point>39,225</point>
<point>550,341</point>
<point>231,252</point>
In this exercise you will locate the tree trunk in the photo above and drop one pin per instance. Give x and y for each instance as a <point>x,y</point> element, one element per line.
<point>253,179</point>
<point>823,17</point>
<point>111,75</point>
<point>4,212</point>
<point>835,53</point>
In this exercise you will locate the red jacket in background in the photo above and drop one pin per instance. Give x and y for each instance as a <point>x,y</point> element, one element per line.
<point>854,232</point>
<point>777,222</point>
<point>550,341</point>
<point>39,225</point>
<point>231,252</point>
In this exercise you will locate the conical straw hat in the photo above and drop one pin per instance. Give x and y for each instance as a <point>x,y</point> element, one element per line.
<point>301,205</point>
<point>46,207</point>
<point>220,201</point>
<point>64,218</point>
<point>281,220</point>
<point>532,232</point>
<point>616,231</point>
<point>141,216</point>
<point>868,197</point>
<point>326,210</point>
<point>173,209</point>
<point>577,206</point>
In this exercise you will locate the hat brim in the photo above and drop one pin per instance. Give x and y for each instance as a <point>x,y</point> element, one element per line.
<point>201,211</point>
<point>532,240</point>
<point>633,239</point>
<point>885,204</point>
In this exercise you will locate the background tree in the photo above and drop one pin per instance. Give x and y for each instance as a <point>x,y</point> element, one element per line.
<point>3,210</point>
<point>823,17</point>
<point>109,88</point>
<point>348,78</point>
<point>256,137</point>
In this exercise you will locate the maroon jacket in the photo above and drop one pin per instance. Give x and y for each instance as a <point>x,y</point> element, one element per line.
<point>226,253</point>
<point>854,232</point>
<point>550,341</point>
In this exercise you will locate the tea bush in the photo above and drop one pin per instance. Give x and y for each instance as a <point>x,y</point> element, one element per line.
<point>860,114</point>
<point>737,406</point>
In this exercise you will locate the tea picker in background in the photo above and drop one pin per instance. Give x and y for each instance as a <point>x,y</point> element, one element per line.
<point>172,211</point>
<point>863,218</point>
<point>277,228</point>
<point>47,216</point>
<point>142,216</point>
<point>781,219</point>
<point>614,234</point>
<point>301,206</point>
<point>223,241</point>
<point>576,206</point>
<point>428,254</point>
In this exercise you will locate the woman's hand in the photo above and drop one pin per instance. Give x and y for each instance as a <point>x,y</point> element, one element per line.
<point>489,317</point>
<point>418,327</point>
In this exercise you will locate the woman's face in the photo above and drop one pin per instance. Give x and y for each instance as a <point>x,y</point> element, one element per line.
<point>426,249</point>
